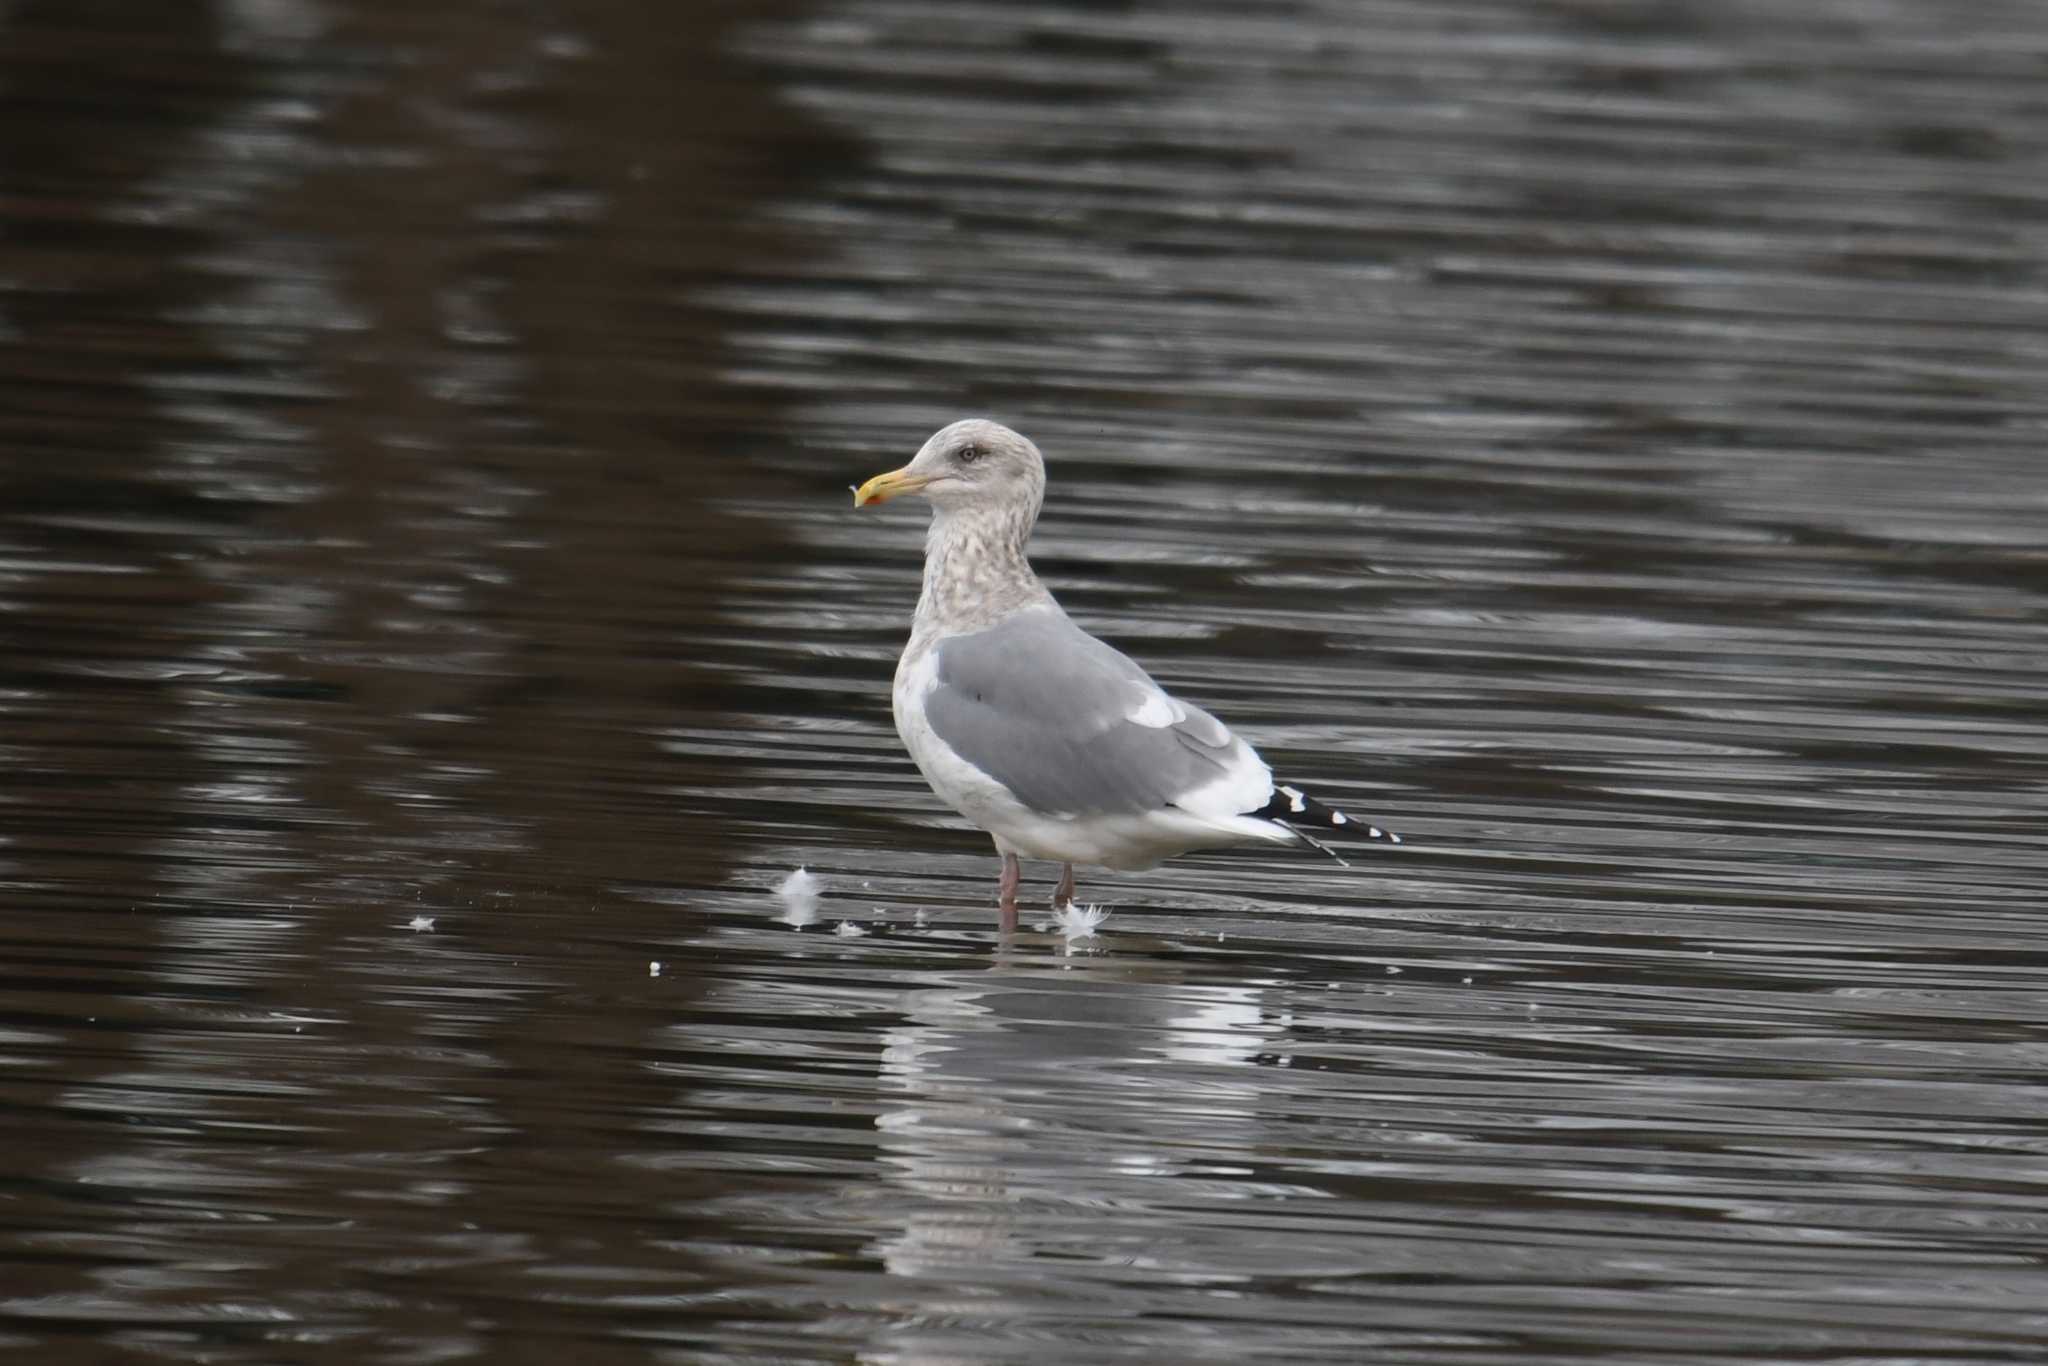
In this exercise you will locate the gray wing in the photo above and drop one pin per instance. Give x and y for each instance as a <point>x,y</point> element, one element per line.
<point>1053,714</point>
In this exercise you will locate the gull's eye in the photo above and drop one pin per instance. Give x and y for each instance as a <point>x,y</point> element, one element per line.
<point>967,454</point>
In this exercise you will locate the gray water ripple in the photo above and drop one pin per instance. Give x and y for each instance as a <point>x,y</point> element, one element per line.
<point>1601,444</point>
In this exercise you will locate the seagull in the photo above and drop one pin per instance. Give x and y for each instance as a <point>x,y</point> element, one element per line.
<point>1056,744</point>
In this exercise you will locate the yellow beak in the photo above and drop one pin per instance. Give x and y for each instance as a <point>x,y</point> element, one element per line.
<point>883,487</point>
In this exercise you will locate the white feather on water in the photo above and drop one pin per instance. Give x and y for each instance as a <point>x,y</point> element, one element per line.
<point>798,894</point>
<point>1077,922</point>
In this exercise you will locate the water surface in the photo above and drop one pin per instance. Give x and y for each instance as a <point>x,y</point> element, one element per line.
<point>1603,444</point>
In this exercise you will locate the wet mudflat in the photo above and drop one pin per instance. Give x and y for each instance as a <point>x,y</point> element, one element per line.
<point>1603,444</point>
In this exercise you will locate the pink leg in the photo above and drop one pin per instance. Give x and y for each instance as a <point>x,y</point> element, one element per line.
<point>1063,895</point>
<point>1006,892</point>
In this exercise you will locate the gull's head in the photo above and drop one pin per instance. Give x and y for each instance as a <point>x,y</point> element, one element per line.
<point>971,465</point>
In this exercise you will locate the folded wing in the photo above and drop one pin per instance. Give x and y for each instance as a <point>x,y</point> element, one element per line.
<point>1073,727</point>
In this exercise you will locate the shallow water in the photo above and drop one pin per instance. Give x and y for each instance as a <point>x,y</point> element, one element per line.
<point>1602,443</point>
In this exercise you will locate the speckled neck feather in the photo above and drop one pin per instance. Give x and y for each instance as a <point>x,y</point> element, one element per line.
<point>975,571</point>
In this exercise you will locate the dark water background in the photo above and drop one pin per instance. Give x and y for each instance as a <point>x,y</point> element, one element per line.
<point>1602,440</point>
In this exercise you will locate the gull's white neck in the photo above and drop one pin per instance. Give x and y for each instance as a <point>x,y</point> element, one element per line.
<point>975,570</point>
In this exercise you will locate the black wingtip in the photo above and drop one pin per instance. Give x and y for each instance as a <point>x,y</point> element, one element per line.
<point>1312,842</point>
<point>1293,808</point>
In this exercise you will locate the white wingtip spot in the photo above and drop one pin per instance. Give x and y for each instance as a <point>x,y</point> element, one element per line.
<point>1157,711</point>
<point>1395,838</point>
<point>1295,803</point>
<point>1338,818</point>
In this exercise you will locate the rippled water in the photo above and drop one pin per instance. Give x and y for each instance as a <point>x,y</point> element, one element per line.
<point>1600,441</point>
